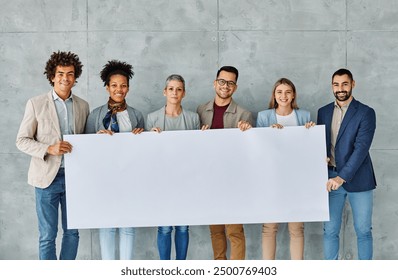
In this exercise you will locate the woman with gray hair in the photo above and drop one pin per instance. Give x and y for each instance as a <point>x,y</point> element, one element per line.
<point>173,117</point>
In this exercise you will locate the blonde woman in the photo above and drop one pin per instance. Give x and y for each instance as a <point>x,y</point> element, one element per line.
<point>283,111</point>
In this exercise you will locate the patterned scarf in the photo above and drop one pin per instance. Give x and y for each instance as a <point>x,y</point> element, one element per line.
<point>113,109</point>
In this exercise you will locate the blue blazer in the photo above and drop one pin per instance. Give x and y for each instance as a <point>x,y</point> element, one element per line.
<point>353,162</point>
<point>268,117</point>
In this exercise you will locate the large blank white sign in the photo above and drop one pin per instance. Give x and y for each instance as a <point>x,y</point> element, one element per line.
<point>223,176</point>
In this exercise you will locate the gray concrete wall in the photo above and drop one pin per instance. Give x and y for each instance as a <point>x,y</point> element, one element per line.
<point>303,40</point>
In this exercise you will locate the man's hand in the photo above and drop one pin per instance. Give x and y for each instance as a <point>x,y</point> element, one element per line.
<point>60,148</point>
<point>333,184</point>
<point>205,126</point>
<point>244,125</point>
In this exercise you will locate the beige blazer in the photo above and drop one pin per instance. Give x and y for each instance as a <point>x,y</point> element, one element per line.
<point>232,115</point>
<point>40,129</point>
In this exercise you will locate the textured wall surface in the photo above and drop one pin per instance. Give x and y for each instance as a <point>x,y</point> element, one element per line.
<point>303,40</point>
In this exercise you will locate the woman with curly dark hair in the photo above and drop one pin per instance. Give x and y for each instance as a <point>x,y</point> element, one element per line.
<point>114,117</point>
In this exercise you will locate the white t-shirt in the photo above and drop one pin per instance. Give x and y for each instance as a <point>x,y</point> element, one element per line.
<point>289,120</point>
<point>123,121</point>
<point>174,123</point>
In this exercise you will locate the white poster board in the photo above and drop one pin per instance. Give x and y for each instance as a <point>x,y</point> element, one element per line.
<point>222,176</point>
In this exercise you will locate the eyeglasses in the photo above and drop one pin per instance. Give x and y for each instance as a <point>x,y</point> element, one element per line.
<point>222,82</point>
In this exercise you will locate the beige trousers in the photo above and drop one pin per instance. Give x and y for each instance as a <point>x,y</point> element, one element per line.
<point>236,237</point>
<point>296,231</point>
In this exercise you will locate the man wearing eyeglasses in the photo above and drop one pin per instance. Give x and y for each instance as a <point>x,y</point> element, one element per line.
<point>224,112</point>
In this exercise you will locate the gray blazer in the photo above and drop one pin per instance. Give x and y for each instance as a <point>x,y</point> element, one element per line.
<point>156,119</point>
<point>39,129</point>
<point>94,121</point>
<point>232,115</point>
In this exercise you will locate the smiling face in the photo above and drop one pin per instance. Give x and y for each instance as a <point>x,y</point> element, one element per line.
<point>174,92</point>
<point>118,87</point>
<point>64,80</point>
<point>284,95</point>
<point>223,90</point>
<point>342,88</point>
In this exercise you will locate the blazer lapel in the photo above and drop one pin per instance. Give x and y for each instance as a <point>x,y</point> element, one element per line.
<point>161,118</point>
<point>76,115</point>
<point>327,120</point>
<point>207,116</point>
<point>53,113</point>
<point>351,111</point>
<point>328,116</point>
<point>228,122</point>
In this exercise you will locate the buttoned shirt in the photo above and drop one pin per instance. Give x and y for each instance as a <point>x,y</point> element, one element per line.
<point>338,116</point>
<point>64,110</point>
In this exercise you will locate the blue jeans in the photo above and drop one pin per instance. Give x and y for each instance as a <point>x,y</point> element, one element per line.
<point>48,201</point>
<point>181,240</point>
<point>362,206</point>
<point>108,243</point>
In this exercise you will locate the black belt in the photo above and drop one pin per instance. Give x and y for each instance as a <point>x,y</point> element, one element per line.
<point>332,168</point>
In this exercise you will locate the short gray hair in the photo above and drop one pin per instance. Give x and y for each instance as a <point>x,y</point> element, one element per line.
<point>175,77</point>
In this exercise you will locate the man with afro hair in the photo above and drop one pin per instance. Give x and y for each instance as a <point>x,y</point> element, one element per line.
<point>47,118</point>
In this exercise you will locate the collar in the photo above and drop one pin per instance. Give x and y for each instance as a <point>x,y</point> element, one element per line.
<point>56,97</point>
<point>342,107</point>
<point>231,107</point>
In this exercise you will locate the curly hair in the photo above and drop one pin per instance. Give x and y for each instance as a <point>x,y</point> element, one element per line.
<point>62,59</point>
<point>116,67</point>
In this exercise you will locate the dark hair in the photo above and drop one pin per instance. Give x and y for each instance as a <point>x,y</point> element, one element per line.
<point>62,59</point>
<point>342,72</point>
<point>175,77</point>
<point>283,81</point>
<point>230,69</point>
<point>116,67</point>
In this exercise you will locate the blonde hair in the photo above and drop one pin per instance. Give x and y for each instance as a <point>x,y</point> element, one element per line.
<point>283,81</point>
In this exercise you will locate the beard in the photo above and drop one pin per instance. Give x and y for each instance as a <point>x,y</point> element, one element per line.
<point>224,95</point>
<point>340,97</point>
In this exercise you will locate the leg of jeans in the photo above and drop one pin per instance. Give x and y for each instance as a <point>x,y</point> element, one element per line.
<point>331,229</point>
<point>47,203</point>
<point>362,208</point>
<point>236,237</point>
<point>164,242</point>
<point>107,243</point>
<point>70,237</point>
<point>126,243</point>
<point>296,232</point>
<point>269,240</point>
<point>181,241</point>
<point>218,241</point>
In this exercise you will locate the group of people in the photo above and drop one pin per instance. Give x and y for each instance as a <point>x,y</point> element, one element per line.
<point>350,127</point>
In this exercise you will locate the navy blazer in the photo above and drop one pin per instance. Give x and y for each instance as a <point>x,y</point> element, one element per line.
<point>353,162</point>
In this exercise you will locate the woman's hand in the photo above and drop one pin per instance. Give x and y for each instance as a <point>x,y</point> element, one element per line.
<point>309,124</point>
<point>137,130</point>
<point>156,129</point>
<point>105,131</point>
<point>277,125</point>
